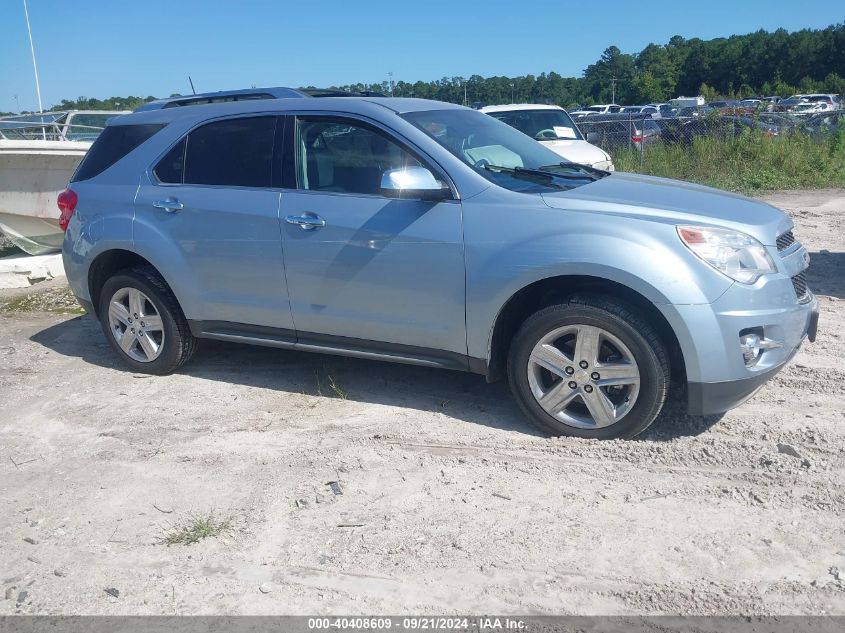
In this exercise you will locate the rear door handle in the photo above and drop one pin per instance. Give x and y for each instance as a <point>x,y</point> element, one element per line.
<point>171,205</point>
<point>307,222</point>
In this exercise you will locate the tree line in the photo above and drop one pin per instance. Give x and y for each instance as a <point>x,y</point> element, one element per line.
<point>761,63</point>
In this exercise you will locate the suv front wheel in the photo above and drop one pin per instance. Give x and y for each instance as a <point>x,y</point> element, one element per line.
<point>143,321</point>
<point>591,367</point>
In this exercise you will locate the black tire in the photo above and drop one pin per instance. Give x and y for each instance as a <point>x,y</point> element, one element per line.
<point>178,344</point>
<point>623,322</point>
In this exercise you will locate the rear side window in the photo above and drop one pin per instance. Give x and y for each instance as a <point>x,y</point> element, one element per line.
<point>234,153</point>
<point>171,167</point>
<point>113,144</point>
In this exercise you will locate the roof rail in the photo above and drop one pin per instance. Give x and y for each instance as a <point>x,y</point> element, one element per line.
<point>221,97</point>
<point>248,95</point>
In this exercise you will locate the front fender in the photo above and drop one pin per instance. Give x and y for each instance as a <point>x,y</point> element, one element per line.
<point>646,257</point>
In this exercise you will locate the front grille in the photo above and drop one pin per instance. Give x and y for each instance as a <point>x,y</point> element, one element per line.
<point>785,240</point>
<point>799,282</point>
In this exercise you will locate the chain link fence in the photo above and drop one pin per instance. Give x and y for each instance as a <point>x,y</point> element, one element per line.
<point>632,138</point>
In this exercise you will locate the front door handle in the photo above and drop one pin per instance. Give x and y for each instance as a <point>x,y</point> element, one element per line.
<point>171,205</point>
<point>307,222</point>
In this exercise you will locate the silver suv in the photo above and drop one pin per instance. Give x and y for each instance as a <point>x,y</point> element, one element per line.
<point>427,233</point>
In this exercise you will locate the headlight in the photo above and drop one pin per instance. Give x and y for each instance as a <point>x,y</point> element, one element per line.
<point>735,254</point>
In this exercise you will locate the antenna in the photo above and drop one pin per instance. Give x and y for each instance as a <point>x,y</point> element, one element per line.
<point>192,85</point>
<point>32,50</point>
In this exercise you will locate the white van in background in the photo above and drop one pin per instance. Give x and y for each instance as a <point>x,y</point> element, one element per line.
<point>553,127</point>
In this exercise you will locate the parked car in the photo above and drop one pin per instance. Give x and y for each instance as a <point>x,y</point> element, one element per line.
<point>717,127</point>
<point>808,108</point>
<point>652,111</point>
<point>822,102</point>
<point>646,132</point>
<point>553,127</point>
<point>823,124</point>
<point>429,233</point>
<point>786,105</point>
<point>609,108</point>
<point>608,132</point>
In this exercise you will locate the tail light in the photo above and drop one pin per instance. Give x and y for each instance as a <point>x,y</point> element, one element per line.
<point>67,205</point>
<point>637,139</point>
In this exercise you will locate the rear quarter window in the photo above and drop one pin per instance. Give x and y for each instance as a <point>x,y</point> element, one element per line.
<point>113,144</point>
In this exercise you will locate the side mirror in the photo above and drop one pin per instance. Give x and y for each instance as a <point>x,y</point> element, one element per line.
<point>413,182</point>
<point>593,137</point>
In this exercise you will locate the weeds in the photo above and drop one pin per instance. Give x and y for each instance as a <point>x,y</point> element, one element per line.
<point>199,527</point>
<point>56,300</point>
<point>749,162</point>
<point>332,384</point>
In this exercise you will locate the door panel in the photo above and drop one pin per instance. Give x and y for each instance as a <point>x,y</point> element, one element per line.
<point>230,244</point>
<point>379,270</point>
<point>209,210</point>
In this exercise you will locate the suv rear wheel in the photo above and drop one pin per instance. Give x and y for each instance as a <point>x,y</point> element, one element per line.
<point>592,368</point>
<point>144,323</point>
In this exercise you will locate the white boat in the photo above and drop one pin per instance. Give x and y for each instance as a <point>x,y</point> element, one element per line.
<point>38,155</point>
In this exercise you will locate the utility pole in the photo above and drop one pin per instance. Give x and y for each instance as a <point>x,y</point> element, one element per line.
<point>613,89</point>
<point>390,82</point>
<point>32,50</point>
<point>18,102</point>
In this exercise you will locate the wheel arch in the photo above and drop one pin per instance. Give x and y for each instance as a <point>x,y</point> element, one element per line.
<point>557,289</point>
<point>109,262</point>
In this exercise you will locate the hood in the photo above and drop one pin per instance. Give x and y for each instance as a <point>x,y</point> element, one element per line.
<point>675,202</point>
<point>576,151</point>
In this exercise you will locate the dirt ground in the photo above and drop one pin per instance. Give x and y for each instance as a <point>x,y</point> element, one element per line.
<point>450,502</point>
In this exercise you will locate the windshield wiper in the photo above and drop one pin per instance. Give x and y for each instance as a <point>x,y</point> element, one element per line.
<point>595,171</point>
<point>532,173</point>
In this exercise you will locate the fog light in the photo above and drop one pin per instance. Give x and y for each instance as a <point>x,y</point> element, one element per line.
<point>751,350</point>
<point>753,343</point>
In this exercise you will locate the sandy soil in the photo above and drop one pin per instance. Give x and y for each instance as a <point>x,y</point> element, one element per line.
<point>451,503</point>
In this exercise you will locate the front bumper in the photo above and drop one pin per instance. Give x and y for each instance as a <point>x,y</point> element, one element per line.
<point>711,398</point>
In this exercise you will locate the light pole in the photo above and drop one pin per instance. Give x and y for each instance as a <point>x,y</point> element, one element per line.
<point>390,82</point>
<point>32,50</point>
<point>613,89</point>
<point>513,87</point>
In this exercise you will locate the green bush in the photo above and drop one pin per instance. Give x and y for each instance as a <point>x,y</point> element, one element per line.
<point>750,162</point>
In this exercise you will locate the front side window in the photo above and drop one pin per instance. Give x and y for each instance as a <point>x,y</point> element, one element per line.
<point>233,153</point>
<point>500,153</point>
<point>543,125</point>
<point>346,157</point>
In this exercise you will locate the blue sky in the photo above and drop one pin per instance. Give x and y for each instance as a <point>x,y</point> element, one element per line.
<point>102,48</point>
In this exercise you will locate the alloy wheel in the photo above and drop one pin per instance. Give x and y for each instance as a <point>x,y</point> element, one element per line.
<point>136,325</point>
<point>583,376</point>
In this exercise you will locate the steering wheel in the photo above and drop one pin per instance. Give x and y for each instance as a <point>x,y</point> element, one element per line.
<point>482,163</point>
<point>545,134</point>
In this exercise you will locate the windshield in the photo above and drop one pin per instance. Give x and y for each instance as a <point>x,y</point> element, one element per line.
<point>500,153</point>
<point>543,125</point>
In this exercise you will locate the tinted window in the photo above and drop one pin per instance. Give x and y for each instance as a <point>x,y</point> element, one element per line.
<point>235,152</point>
<point>169,168</point>
<point>346,158</point>
<point>113,144</point>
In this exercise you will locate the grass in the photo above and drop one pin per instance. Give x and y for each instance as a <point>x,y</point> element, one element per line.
<point>750,162</point>
<point>332,384</point>
<point>199,527</point>
<point>56,300</point>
